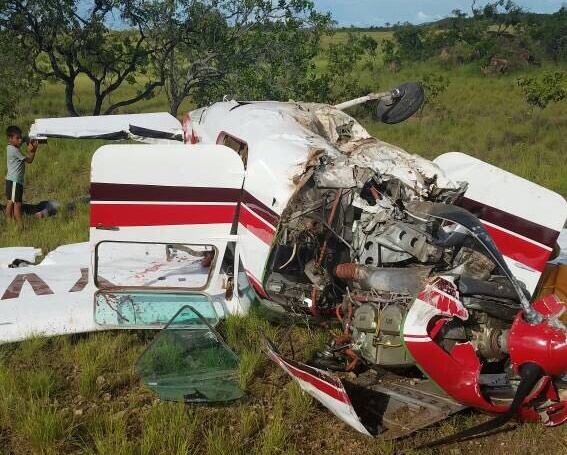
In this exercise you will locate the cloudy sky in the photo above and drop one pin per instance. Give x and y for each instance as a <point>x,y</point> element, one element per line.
<point>377,12</point>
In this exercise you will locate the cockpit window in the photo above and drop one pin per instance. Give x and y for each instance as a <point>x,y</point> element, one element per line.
<point>235,144</point>
<point>153,265</point>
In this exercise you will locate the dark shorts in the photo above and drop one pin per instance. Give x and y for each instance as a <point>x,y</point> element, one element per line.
<point>14,191</point>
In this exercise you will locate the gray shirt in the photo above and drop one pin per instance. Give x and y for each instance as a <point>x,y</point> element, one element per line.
<point>16,164</point>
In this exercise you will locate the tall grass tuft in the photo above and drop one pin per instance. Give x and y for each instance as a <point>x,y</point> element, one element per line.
<point>8,392</point>
<point>28,349</point>
<point>250,364</point>
<point>170,429</point>
<point>110,437</point>
<point>275,436</point>
<point>251,421</point>
<point>40,383</point>
<point>299,403</point>
<point>87,379</point>
<point>43,426</point>
<point>219,441</point>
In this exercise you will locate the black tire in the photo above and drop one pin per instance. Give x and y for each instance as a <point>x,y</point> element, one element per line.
<point>411,100</point>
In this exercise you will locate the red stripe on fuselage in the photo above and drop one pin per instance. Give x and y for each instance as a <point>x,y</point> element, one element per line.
<point>519,249</point>
<point>256,226</point>
<point>260,209</point>
<point>160,215</point>
<point>257,285</point>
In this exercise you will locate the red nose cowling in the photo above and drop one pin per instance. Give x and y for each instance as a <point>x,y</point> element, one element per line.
<point>541,343</point>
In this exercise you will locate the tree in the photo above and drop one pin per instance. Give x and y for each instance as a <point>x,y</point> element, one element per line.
<point>411,42</point>
<point>251,49</point>
<point>504,14</point>
<point>344,59</point>
<point>550,87</point>
<point>63,40</point>
<point>16,77</point>
<point>551,34</point>
<point>434,85</point>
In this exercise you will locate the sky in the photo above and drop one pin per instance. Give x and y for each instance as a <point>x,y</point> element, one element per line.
<point>364,13</point>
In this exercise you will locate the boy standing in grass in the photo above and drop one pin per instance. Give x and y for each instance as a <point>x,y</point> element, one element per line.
<point>16,164</point>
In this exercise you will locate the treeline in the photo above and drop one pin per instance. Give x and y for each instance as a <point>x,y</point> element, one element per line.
<point>499,36</point>
<point>197,49</point>
<point>248,49</point>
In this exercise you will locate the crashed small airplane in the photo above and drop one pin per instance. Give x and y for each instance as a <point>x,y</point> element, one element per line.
<point>441,267</point>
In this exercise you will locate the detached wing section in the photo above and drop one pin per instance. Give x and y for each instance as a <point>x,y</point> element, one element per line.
<point>52,298</point>
<point>523,218</point>
<point>150,127</point>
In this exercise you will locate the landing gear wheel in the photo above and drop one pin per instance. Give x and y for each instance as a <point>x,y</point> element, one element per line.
<point>410,97</point>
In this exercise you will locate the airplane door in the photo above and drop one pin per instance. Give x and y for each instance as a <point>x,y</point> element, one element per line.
<point>160,220</point>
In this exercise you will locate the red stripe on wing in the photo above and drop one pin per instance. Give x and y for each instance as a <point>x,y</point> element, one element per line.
<point>519,249</point>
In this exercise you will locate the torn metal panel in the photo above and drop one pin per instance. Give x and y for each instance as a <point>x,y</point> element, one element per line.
<point>397,406</point>
<point>335,177</point>
<point>323,386</point>
<point>388,406</point>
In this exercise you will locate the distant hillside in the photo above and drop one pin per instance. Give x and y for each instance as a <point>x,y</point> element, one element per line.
<point>528,17</point>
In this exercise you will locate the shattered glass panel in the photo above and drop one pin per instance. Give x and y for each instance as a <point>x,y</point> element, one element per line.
<point>191,363</point>
<point>137,309</point>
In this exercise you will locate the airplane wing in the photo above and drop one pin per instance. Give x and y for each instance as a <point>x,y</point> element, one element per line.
<point>51,298</point>
<point>150,127</point>
<point>523,219</point>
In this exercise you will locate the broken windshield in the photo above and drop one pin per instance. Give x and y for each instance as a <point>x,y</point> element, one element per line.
<point>134,309</point>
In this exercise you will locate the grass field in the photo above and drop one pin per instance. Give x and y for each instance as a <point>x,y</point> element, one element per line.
<point>80,394</point>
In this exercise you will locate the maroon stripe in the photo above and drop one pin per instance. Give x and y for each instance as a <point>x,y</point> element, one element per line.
<point>257,285</point>
<point>261,209</point>
<point>320,384</point>
<point>154,193</point>
<point>14,289</point>
<point>529,229</point>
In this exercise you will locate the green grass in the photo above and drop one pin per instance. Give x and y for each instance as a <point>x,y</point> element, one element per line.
<point>276,434</point>
<point>250,364</point>
<point>299,403</point>
<point>170,429</point>
<point>43,426</point>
